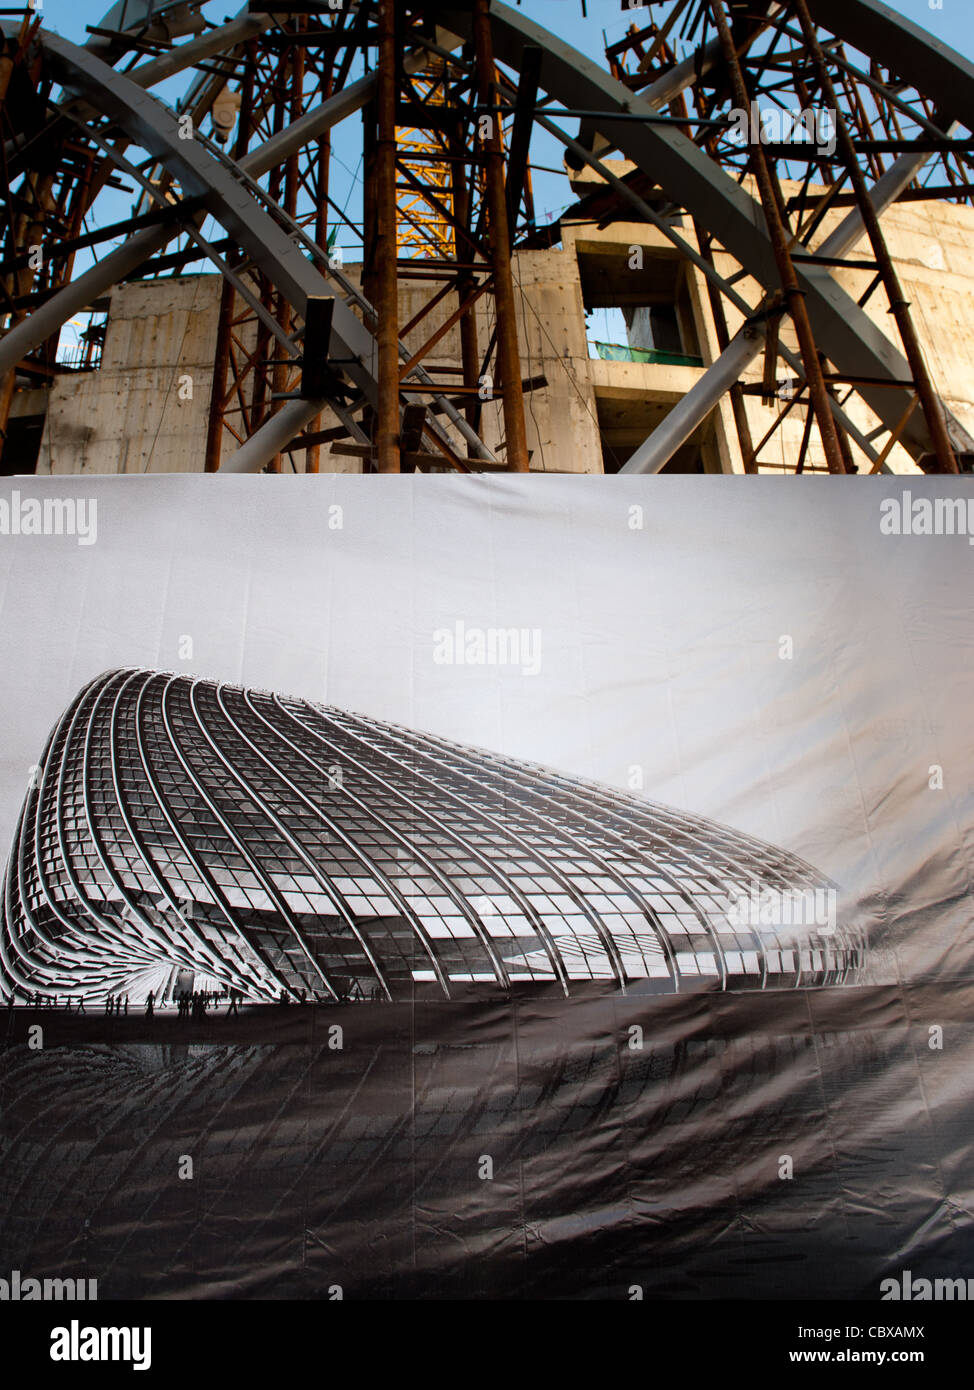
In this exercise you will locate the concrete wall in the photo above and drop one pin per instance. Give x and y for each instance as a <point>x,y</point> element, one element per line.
<point>131,416</point>
<point>145,409</point>
<point>136,414</point>
<point>933,247</point>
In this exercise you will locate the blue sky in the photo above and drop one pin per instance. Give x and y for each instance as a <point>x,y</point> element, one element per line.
<point>952,22</point>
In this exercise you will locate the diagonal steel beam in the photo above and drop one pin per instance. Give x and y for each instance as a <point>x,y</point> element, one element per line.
<point>932,67</point>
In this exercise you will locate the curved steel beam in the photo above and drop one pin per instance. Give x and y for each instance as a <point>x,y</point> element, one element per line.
<point>932,67</point>
<point>153,127</point>
<point>211,186</point>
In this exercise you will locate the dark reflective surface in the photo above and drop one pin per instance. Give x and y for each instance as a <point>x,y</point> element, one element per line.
<point>365,1167</point>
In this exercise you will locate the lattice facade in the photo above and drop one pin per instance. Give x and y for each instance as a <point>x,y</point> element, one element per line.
<point>273,844</point>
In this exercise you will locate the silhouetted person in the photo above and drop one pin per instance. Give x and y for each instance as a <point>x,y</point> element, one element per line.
<point>232,1006</point>
<point>81,1003</point>
<point>150,1003</point>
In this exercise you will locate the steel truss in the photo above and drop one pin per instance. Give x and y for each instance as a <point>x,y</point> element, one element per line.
<point>448,97</point>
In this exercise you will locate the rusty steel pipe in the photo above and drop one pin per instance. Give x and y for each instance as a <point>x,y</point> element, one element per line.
<point>794,296</point>
<point>929,400</point>
<point>508,355</point>
<point>386,437</point>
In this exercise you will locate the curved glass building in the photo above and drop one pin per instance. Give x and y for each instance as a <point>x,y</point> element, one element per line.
<point>179,827</point>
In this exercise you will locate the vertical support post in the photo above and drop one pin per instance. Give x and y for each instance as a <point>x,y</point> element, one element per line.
<point>218,392</point>
<point>313,455</point>
<point>295,78</point>
<point>508,356</point>
<point>386,435</point>
<point>7,384</point>
<point>899,305</point>
<point>221,354</point>
<point>270,376</point>
<point>794,295</point>
<point>469,350</point>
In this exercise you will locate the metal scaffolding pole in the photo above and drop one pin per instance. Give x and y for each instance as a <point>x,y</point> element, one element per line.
<point>794,294</point>
<point>221,355</point>
<point>508,356</point>
<point>291,77</point>
<point>386,300</point>
<point>899,304</point>
<point>469,350</point>
<point>323,166</point>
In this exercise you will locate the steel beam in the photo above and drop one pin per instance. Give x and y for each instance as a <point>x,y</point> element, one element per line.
<point>272,437</point>
<point>690,412</point>
<point>931,66</point>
